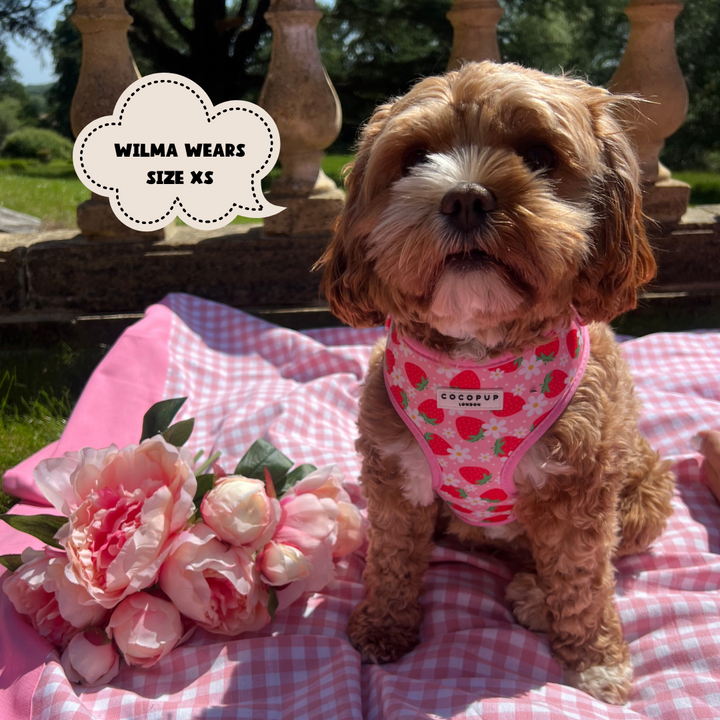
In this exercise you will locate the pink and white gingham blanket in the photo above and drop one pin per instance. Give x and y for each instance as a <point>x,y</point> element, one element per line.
<point>247,379</point>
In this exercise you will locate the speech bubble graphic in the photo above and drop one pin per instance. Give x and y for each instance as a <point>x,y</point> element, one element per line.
<point>167,151</point>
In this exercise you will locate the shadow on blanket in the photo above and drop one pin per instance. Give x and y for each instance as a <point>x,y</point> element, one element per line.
<point>247,379</point>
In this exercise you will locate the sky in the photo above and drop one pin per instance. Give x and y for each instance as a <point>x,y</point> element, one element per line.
<point>35,65</point>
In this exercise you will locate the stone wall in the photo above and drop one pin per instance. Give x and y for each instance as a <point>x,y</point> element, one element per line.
<point>61,276</point>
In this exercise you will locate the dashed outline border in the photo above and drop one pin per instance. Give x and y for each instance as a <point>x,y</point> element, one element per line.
<point>177,201</point>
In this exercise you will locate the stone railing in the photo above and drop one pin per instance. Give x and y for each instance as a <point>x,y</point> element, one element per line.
<point>266,269</point>
<point>300,97</point>
<point>649,69</point>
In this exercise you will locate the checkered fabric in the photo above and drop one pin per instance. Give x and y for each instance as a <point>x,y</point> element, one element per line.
<point>247,379</point>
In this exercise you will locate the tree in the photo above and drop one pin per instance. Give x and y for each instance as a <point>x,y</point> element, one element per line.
<point>66,46</point>
<point>582,37</point>
<point>209,41</point>
<point>21,18</point>
<point>17,106</point>
<point>374,49</point>
<point>696,145</point>
<point>225,50</point>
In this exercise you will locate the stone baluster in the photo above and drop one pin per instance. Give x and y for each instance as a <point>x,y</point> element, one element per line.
<point>650,69</point>
<point>300,98</point>
<point>107,69</point>
<point>474,31</point>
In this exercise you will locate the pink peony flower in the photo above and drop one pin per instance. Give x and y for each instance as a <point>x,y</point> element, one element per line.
<point>281,564</point>
<point>57,608</point>
<point>351,532</point>
<point>240,512</point>
<point>215,585</point>
<point>309,524</point>
<point>90,658</point>
<point>146,628</point>
<point>124,507</point>
<point>326,483</point>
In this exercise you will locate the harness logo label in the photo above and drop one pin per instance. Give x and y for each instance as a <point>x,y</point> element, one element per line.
<point>455,399</point>
<point>168,152</point>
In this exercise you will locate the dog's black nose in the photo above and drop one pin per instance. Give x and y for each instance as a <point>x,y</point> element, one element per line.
<point>466,206</point>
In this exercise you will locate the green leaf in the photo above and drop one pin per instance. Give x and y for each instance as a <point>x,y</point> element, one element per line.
<point>204,486</point>
<point>179,433</point>
<point>296,475</point>
<point>273,602</point>
<point>263,455</point>
<point>158,418</point>
<point>11,562</point>
<point>42,527</point>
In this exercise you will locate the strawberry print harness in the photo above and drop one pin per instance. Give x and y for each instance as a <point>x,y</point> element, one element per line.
<point>474,422</point>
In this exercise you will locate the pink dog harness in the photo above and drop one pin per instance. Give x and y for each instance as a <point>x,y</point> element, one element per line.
<point>474,422</point>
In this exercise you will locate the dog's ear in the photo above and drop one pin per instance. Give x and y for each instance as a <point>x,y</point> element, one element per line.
<point>621,260</point>
<point>349,281</point>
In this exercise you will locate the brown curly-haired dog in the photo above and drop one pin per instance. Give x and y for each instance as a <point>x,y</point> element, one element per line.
<point>484,208</point>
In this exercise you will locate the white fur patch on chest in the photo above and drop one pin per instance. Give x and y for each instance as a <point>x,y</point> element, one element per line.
<point>536,466</point>
<point>417,479</point>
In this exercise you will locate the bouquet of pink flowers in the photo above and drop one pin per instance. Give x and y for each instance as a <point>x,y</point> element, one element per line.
<point>151,545</point>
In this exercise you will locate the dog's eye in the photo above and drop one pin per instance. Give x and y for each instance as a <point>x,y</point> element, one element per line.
<point>538,157</point>
<point>417,156</point>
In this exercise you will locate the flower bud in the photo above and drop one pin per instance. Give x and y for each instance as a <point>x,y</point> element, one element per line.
<point>281,564</point>
<point>240,512</point>
<point>350,530</point>
<point>90,658</point>
<point>146,628</point>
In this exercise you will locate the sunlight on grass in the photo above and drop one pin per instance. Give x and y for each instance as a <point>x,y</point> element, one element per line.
<point>52,191</point>
<point>705,186</point>
<point>27,430</point>
<point>38,388</point>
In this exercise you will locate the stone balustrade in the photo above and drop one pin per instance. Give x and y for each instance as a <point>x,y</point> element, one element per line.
<point>301,99</point>
<point>299,95</point>
<point>106,69</point>
<point>650,70</point>
<point>474,31</point>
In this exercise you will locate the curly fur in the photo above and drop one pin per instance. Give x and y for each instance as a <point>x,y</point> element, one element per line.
<point>565,238</point>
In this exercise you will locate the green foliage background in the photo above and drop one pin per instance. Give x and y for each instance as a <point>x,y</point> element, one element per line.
<point>372,49</point>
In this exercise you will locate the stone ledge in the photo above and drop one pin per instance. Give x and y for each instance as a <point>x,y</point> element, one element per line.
<point>689,251</point>
<point>238,266</point>
<point>60,276</point>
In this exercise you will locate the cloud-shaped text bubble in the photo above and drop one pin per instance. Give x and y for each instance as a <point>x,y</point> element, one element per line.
<point>167,151</point>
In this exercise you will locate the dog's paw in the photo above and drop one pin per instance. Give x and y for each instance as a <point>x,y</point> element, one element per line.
<point>528,602</point>
<point>379,640</point>
<point>609,683</point>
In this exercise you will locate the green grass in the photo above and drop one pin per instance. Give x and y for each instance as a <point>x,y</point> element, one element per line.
<point>705,186</point>
<point>52,191</point>
<point>38,388</point>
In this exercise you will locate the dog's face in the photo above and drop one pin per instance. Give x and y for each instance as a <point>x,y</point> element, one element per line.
<point>487,196</point>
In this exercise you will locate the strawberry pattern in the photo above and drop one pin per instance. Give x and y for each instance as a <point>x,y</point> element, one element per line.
<point>473,452</point>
